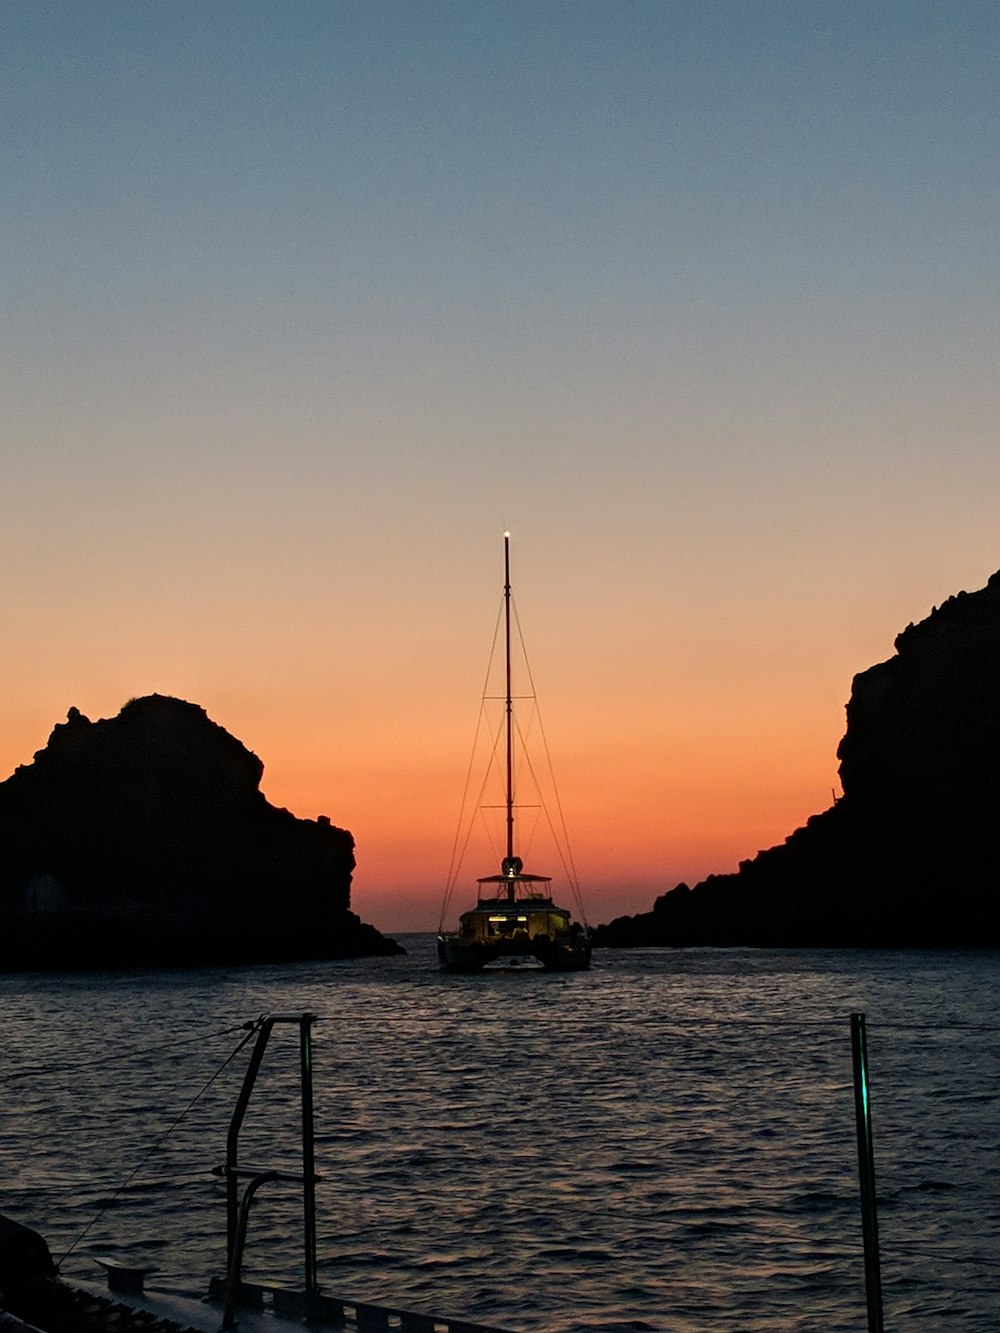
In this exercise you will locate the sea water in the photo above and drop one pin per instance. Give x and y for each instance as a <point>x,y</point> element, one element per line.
<point>665,1142</point>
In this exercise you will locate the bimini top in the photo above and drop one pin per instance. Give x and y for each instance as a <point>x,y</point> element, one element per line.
<point>514,879</point>
<point>512,872</point>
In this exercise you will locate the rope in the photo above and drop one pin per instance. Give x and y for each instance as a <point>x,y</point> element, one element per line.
<point>560,836</point>
<point>457,853</point>
<point>99,1063</point>
<point>972,1260</point>
<point>252,1028</point>
<point>825,1024</point>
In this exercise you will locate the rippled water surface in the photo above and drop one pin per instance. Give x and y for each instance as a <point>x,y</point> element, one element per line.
<point>666,1142</point>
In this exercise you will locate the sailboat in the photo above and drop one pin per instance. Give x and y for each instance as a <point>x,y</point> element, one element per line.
<point>515,919</point>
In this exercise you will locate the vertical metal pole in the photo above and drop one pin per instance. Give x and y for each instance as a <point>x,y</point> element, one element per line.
<point>308,1153</point>
<point>866,1172</point>
<point>233,1138</point>
<point>509,704</point>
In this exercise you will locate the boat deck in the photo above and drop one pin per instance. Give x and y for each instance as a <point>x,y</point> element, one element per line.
<point>60,1307</point>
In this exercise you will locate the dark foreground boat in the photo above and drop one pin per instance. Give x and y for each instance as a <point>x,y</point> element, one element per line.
<point>515,919</point>
<point>34,1298</point>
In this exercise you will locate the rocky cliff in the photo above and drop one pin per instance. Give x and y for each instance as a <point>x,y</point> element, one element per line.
<point>145,839</point>
<point>910,854</point>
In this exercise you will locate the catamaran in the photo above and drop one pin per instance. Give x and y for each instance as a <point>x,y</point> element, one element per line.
<point>515,919</point>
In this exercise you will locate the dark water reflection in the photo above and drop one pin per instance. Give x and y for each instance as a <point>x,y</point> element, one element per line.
<point>666,1142</point>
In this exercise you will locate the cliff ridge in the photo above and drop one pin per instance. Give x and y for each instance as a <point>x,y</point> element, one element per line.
<point>144,839</point>
<point>909,855</point>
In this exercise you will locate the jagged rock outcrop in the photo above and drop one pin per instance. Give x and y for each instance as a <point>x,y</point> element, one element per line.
<point>144,839</point>
<point>910,854</point>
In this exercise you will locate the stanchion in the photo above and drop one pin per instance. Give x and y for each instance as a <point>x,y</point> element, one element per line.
<point>866,1172</point>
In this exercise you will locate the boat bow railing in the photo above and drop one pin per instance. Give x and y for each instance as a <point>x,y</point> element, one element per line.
<point>237,1206</point>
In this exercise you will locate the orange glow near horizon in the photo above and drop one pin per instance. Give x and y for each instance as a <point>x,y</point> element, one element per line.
<point>701,758</point>
<point>676,757</point>
<point>642,814</point>
<point>644,809</point>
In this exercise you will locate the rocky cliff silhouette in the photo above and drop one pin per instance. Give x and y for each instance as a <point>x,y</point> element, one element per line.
<point>144,839</point>
<point>910,854</point>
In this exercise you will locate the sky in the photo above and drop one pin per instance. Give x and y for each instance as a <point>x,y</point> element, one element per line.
<point>304,304</point>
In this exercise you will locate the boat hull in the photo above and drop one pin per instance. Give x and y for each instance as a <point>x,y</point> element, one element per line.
<point>458,956</point>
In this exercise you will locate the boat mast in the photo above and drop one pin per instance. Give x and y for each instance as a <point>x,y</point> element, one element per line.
<point>509,706</point>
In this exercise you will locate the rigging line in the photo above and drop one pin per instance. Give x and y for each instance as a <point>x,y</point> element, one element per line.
<point>458,852</point>
<point>455,866</point>
<point>910,1026</point>
<point>565,859</point>
<point>177,1180</point>
<point>545,744</point>
<point>79,1065</point>
<point>977,1261</point>
<point>562,838</point>
<point>829,1028</point>
<point>476,809</point>
<point>251,1032</point>
<point>452,886</point>
<point>493,770</point>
